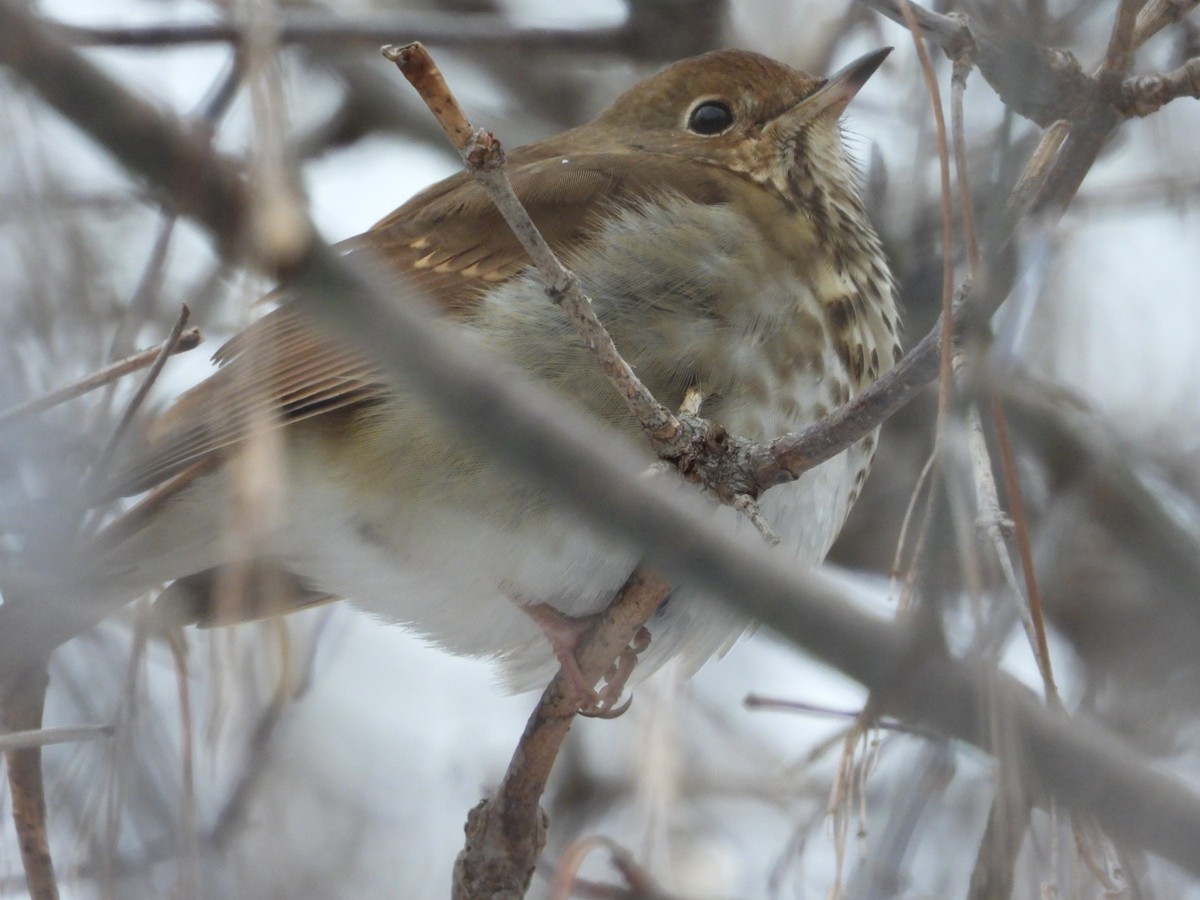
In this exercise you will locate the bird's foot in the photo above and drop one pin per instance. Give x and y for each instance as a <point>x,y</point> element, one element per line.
<point>564,634</point>
<point>615,678</point>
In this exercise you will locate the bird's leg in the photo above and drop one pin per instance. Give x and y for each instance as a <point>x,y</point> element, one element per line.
<point>564,634</point>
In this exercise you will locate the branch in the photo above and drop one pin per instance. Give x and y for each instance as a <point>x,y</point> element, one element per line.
<point>648,31</point>
<point>484,157</point>
<point>43,737</point>
<point>1157,15</point>
<point>1045,84</point>
<point>188,340</point>
<point>445,29</point>
<point>947,31</point>
<point>786,458</point>
<point>143,390</point>
<point>22,702</point>
<point>1037,82</point>
<point>1147,94</point>
<point>506,833</point>
<point>1081,455</point>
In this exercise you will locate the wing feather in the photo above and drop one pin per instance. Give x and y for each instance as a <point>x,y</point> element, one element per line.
<point>449,243</point>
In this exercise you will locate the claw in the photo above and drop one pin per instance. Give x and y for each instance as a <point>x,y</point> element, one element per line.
<point>564,633</point>
<point>615,679</point>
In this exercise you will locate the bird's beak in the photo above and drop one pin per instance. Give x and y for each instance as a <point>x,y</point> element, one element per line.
<point>838,90</point>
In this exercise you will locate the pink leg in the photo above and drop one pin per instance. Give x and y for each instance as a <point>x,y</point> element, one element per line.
<point>564,633</point>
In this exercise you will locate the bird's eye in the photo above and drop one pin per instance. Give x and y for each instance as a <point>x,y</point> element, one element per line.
<point>710,117</point>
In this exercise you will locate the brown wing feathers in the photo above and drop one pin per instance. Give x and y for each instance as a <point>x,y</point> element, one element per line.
<point>449,243</point>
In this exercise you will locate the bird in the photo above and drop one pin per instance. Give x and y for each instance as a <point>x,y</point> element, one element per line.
<point>715,218</point>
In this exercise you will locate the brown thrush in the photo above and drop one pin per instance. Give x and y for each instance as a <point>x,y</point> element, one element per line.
<point>713,216</point>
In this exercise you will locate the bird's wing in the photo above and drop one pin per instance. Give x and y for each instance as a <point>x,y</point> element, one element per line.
<point>448,243</point>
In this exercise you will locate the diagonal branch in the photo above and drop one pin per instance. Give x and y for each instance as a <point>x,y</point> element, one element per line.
<point>484,157</point>
<point>188,340</point>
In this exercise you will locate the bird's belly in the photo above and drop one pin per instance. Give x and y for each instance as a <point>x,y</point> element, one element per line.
<point>452,576</point>
<point>459,575</point>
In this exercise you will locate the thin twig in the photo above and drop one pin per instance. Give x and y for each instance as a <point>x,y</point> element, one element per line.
<point>994,873</point>
<point>1016,505</point>
<point>189,877</point>
<point>1049,85</point>
<point>690,442</point>
<point>148,288</point>
<point>139,396</point>
<point>1157,15</point>
<point>22,703</point>
<point>506,833</point>
<point>43,737</point>
<point>946,30</point>
<point>958,86</point>
<point>1035,176</point>
<point>443,29</point>
<point>484,157</point>
<point>1119,53</point>
<point>945,371</point>
<point>638,883</point>
<point>206,115</point>
<point>188,340</point>
<point>923,487</point>
<point>886,723</point>
<point>1088,135</point>
<point>1074,160</point>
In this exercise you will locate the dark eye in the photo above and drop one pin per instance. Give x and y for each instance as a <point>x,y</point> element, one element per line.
<point>710,117</point>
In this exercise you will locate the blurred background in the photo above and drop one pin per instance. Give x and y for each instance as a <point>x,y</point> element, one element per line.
<point>331,756</point>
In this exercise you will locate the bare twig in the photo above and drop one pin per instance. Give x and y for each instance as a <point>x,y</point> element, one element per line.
<point>43,737</point>
<point>205,117</point>
<point>22,701</point>
<point>1147,94</point>
<point>1120,42</point>
<point>962,68</point>
<point>638,883</point>
<point>786,458</point>
<point>1032,181</point>
<point>945,372</point>
<point>1016,505</point>
<point>444,29</point>
<point>1157,15</point>
<point>994,873</point>
<point>1078,152</point>
<point>948,31</point>
<point>1048,85</point>
<point>885,723</point>
<point>188,340</point>
<point>484,157</point>
<point>139,396</point>
<point>506,832</point>
<point>149,286</point>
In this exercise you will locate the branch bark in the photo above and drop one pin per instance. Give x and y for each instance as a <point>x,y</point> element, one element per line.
<point>22,700</point>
